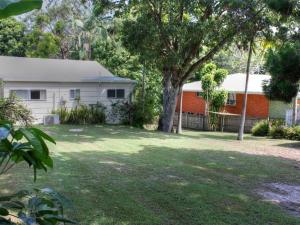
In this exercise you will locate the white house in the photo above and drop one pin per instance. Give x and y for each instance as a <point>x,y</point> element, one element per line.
<point>45,85</point>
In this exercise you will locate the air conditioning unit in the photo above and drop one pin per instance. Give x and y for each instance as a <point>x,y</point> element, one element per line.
<point>52,119</point>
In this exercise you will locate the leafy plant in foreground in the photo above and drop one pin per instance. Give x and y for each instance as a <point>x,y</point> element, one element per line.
<point>42,206</point>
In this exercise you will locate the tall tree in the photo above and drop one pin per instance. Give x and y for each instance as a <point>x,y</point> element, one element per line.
<point>244,110</point>
<point>180,36</point>
<point>283,61</point>
<point>41,43</point>
<point>12,36</point>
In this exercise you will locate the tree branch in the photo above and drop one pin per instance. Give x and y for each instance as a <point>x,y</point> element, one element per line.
<point>216,48</point>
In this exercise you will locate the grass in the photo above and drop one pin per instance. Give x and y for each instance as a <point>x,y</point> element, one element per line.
<point>126,176</point>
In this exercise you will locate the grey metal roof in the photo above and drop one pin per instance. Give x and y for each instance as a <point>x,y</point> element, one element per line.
<point>54,70</point>
<point>235,83</point>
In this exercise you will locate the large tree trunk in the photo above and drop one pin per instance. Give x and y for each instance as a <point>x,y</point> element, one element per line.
<point>243,119</point>
<point>170,93</point>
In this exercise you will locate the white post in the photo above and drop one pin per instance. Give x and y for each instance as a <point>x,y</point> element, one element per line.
<point>1,88</point>
<point>179,123</point>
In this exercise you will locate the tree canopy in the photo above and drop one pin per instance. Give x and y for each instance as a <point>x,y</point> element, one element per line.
<point>12,37</point>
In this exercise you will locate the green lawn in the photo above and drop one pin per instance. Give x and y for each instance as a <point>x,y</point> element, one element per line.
<point>118,175</point>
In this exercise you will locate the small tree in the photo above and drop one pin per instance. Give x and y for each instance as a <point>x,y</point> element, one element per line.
<point>211,79</point>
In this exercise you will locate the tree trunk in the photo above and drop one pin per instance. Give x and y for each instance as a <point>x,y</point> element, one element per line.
<point>170,94</point>
<point>243,119</point>
<point>295,110</point>
<point>179,125</point>
<point>143,89</point>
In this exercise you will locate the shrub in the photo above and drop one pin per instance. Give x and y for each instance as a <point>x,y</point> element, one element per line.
<point>12,110</point>
<point>293,133</point>
<point>277,132</point>
<point>82,114</point>
<point>278,129</point>
<point>261,128</point>
<point>134,114</point>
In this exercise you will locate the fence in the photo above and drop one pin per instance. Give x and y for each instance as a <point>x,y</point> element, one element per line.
<point>199,122</point>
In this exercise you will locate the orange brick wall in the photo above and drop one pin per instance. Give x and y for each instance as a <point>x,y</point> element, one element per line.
<point>192,103</point>
<point>258,105</point>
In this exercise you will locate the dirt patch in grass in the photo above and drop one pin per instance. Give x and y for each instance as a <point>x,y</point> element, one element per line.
<point>285,195</point>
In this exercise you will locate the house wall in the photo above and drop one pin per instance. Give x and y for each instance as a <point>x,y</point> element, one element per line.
<point>56,93</point>
<point>258,105</point>
<point>278,109</point>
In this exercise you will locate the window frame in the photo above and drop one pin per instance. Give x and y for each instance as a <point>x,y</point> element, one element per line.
<point>29,98</point>
<point>115,93</point>
<point>234,100</point>
<point>76,90</point>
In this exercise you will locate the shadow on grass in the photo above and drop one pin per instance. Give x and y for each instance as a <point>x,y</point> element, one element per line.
<point>100,132</point>
<point>162,185</point>
<point>294,145</point>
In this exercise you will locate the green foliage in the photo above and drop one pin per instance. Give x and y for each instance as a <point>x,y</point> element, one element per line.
<point>41,206</point>
<point>13,110</point>
<point>285,7</point>
<point>82,114</point>
<point>138,113</point>
<point>211,79</point>
<point>12,34</point>
<point>16,7</point>
<point>117,59</point>
<point>218,100</point>
<point>261,128</point>
<point>42,44</point>
<point>293,133</point>
<point>24,145</point>
<point>120,62</point>
<point>277,132</point>
<point>283,64</point>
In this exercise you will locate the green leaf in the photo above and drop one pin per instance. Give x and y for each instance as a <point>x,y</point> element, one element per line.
<point>14,205</point>
<point>3,212</point>
<point>43,134</point>
<point>39,150</point>
<point>18,135</point>
<point>17,7</point>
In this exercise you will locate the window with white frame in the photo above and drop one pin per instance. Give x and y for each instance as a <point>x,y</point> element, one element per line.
<point>231,100</point>
<point>29,94</point>
<point>116,93</point>
<point>74,93</point>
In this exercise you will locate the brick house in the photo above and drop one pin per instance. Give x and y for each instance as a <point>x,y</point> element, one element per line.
<point>258,105</point>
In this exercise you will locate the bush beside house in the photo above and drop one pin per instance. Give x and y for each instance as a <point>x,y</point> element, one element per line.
<point>82,114</point>
<point>276,129</point>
